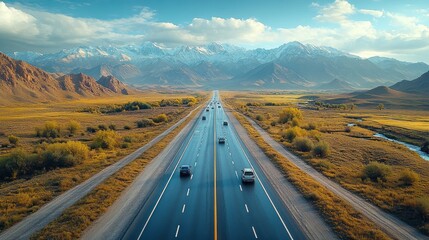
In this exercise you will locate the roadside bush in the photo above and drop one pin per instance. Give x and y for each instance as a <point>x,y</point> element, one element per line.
<point>126,127</point>
<point>136,105</point>
<point>145,123</point>
<point>289,114</point>
<point>311,126</point>
<point>376,171</point>
<point>321,149</point>
<point>106,139</point>
<point>73,126</point>
<point>13,140</point>
<point>408,177</point>
<point>16,164</point>
<point>273,123</point>
<point>291,133</point>
<point>128,139</point>
<point>112,127</point>
<point>160,118</point>
<point>102,127</point>
<point>259,117</point>
<point>303,144</point>
<point>67,154</point>
<point>125,145</point>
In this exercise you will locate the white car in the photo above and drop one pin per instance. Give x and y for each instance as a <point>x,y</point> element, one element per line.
<point>247,175</point>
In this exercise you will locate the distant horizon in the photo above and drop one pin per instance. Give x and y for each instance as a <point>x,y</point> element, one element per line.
<point>363,28</point>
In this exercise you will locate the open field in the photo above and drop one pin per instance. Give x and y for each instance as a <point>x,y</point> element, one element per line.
<point>353,149</point>
<point>26,193</point>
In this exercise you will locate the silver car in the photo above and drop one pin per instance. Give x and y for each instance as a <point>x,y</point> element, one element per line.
<point>247,175</point>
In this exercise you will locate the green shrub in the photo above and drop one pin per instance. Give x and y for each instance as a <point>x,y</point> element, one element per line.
<point>259,117</point>
<point>273,123</point>
<point>125,145</point>
<point>106,139</point>
<point>102,127</point>
<point>16,164</point>
<point>289,114</point>
<point>126,127</point>
<point>128,139</point>
<point>67,154</point>
<point>376,171</point>
<point>13,140</point>
<point>73,126</point>
<point>408,177</point>
<point>160,118</point>
<point>291,133</point>
<point>112,127</point>
<point>50,130</point>
<point>311,126</point>
<point>91,129</point>
<point>321,149</point>
<point>303,144</point>
<point>145,123</point>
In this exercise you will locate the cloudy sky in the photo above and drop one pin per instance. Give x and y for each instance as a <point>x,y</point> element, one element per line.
<point>390,28</point>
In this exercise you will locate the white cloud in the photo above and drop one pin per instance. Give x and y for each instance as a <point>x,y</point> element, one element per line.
<point>29,29</point>
<point>374,13</point>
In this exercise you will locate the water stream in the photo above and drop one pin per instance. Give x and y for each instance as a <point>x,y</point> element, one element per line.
<point>412,147</point>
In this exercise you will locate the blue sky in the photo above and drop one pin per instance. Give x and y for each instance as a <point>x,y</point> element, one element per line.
<point>391,28</point>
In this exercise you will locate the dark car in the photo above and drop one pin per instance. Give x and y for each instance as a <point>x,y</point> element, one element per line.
<point>221,140</point>
<point>207,109</point>
<point>225,123</point>
<point>218,106</point>
<point>204,117</point>
<point>185,170</point>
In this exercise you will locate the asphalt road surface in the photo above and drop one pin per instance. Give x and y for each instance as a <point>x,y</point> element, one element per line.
<point>213,203</point>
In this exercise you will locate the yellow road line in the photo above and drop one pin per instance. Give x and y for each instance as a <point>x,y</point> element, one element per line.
<point>215,198</point>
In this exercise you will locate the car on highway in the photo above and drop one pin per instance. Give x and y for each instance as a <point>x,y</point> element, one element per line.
<point>225,123</point>
<point>204,117</point>
<point>221,140</point>
<point>247,175</point>
<point>185,170</point>
<point>207,109</point>
<point>218,106</point>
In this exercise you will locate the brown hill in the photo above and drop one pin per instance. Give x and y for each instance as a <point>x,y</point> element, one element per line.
<point>22,82</point>
<point>381,91</point>
<point>115,85</point>
<point>83,85</point>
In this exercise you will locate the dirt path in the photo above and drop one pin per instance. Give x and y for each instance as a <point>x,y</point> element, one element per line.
<point>303,211</point>
<point>36,221</point>
<point>394,227</point>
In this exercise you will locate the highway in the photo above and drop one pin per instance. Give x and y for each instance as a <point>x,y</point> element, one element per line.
<point>213,203</point>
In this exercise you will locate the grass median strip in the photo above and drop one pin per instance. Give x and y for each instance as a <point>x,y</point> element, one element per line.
<point>347,222</point>
<point>72,223</point>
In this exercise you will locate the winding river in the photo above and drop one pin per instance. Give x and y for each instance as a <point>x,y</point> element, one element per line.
<point>412,147</point>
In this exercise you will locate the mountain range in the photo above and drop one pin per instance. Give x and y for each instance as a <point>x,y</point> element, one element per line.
<point>289,66</point>
<point>22,82</point>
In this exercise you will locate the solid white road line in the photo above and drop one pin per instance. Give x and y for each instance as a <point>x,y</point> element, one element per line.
<point>165,187</point>
<point>254,232</point>
<point>177,231</point>
<point>183,208</point>
<point>247,209</point>
<point>263,187</point>
<point>187,193</point>
<point>241,189</point>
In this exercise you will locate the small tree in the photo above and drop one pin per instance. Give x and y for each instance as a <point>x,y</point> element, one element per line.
<point>145,123</point>
<point>13,140</point>
<point>289,114</point>
<point>259,117</point>
<point>106,139</point>
<point>321,149</point>
<point>380,106</point>
<point>408,177</point>
<point>73,126</point>
<point>160,118</point>
<point>51,129</point>
<point>303,144</point>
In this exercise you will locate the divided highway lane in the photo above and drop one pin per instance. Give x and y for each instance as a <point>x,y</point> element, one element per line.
<point>182,207</point>
<point>247,211</point>
<point>213,203</point>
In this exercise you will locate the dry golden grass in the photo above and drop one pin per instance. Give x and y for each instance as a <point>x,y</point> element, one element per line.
<point>348,223</point>
<point>351,151</point>
<point>39,189</point>
<point>72,223</point>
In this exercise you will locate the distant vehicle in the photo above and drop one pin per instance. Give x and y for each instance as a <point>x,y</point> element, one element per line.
<point>212,107</point>
<point>207,109</point>
<point>247,175</point>
<point>225,123</point>
<point>204,118</point>
<point>218,106</point>
<point>185,170</point>
<point>221,140</point>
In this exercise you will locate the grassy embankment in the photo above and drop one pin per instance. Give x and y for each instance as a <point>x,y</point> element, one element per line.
<point>402,186</point>
<point>72,223</point>
<point>24,192</point>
